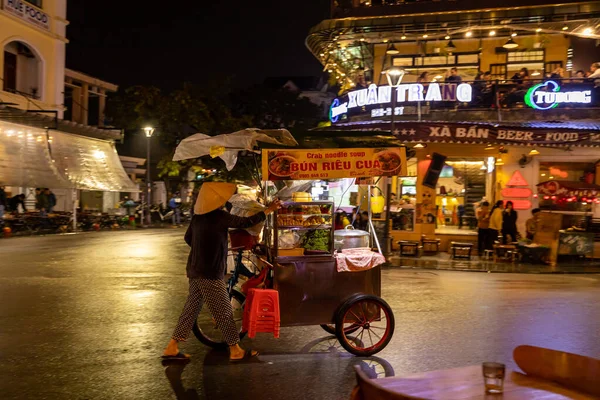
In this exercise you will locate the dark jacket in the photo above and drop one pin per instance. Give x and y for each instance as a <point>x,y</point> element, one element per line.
<point>51,200</point>
<point>41,201</point>
<point>13,203</point>
<point>207,236</point>
<point>3,200</point>
<point>509,221</point>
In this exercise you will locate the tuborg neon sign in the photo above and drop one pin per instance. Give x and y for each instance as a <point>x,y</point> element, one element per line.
<point>411,92</point>
<point>547,95</point>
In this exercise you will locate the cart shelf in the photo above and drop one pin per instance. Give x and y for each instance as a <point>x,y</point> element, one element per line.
<point>305,227</point>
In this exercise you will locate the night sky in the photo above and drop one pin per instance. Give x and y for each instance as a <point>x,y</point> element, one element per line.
<point>131,42</point>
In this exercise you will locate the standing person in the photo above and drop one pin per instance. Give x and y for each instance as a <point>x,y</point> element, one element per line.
<point>51,199</point>
<point>14,202</point>
<point>207,237</point>
<point>483,227</point>
<point>531,223</point>
<point>175,205</point>
<point>509,223</point>
<point>495,223</point>
<point>3,201</point>
<point>41,202</point>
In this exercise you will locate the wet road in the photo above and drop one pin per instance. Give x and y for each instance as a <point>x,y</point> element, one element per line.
<point>87,316</point>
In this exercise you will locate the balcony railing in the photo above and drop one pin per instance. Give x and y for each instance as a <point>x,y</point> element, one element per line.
<point>32,95</point>
<point>345,8</point>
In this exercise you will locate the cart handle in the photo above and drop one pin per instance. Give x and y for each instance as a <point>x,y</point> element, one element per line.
<point>268,264</point>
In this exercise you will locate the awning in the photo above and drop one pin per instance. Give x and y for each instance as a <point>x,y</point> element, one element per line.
<point>25,159</point>
<point>568,189</point>
<point>90,164</point>
<point>33,157</point>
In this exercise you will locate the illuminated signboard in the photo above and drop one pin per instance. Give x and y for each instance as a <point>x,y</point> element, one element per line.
<point>547,95</point>
<point>409,92</point>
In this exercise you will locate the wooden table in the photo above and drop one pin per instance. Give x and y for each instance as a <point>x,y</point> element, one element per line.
<point>467,383</point>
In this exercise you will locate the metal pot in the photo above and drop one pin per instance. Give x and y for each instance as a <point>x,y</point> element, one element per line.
<point>350,238</point>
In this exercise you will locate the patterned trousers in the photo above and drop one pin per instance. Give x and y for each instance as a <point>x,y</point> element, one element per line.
<point>214,293</point>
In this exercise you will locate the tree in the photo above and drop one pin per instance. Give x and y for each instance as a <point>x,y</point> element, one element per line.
<point>273,108</point>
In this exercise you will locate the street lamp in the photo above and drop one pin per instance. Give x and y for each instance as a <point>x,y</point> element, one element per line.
<point>394,77</point>
<point>149,131</point>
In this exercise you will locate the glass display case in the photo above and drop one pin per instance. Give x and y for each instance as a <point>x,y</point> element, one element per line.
<point>303,229</point>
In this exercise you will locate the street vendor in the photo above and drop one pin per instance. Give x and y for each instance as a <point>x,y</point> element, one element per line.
<point>207,237</point>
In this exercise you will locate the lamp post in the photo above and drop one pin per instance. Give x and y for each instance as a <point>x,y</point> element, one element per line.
<point>149,131</point>
<point>394,77</point>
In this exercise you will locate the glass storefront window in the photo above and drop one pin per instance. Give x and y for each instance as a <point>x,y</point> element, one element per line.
<point>461,187</point>
<point>570,175</point>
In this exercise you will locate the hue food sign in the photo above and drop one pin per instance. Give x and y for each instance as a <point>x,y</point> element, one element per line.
<point>26,11</point>
<point>333,163</point>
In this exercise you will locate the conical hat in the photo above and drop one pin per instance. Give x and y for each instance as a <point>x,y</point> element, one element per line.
<point>213,195</point>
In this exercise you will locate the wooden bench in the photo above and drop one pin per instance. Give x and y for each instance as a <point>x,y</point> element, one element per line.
<point>430,246</point>
<point>461,250</point>
<point>409,248</point>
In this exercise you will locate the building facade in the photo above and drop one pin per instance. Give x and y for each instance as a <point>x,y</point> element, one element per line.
<point>39,147</point>
<point>500,99</point>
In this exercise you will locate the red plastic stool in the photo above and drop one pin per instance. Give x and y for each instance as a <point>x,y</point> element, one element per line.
<point>261,312</point>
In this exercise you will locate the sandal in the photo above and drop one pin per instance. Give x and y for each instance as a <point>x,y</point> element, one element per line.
<point>178,356</point>
<point>247,355</point>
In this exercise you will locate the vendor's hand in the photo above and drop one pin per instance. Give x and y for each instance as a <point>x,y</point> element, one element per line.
<point>275,205</point>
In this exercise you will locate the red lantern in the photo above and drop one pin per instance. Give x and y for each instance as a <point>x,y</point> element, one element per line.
<point>546,197</point>
<point>535,196</point>
<point>553,197</point>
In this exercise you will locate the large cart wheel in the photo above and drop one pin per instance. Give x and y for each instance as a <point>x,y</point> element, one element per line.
<point>205,327</point>
<point>375,322</point>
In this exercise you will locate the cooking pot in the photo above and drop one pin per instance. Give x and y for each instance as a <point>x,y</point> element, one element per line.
<point>350,238</point>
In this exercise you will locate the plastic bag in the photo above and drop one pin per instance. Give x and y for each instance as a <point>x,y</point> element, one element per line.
<point>245,206</point>
<point>288,240</point>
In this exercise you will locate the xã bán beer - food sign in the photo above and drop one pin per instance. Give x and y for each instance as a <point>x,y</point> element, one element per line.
<point>333,163</point>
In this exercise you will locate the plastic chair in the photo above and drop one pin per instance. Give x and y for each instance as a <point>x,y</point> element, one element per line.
<point>368,389</point>
<point>570,370</point>
<point>261,312</point>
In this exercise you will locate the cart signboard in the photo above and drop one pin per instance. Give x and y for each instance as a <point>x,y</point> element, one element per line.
<point>333,163</point>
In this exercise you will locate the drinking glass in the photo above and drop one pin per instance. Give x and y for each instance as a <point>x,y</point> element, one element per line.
<point>493,377</point>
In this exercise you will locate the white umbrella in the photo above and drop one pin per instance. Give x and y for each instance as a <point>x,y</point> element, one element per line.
<point>227,146</point>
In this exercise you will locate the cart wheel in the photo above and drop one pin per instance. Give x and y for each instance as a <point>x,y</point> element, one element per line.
<point>330,328</point>
<point>376,324</point>
<point>205,328</point>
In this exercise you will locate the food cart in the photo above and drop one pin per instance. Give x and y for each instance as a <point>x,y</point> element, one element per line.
<point>300,249</point>
<point>312,290</point>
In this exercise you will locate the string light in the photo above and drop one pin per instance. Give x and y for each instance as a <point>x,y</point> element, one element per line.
<point>492,33</point>
<point>469,34</point>
<point>588,31</point>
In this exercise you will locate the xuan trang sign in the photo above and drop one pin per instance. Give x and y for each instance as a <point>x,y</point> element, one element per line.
<point>26,11</point>
<point>376,96</point>
<point>547,95</point>
<point>290,164</point>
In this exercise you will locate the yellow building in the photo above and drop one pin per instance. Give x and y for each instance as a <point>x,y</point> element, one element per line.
<point>499,93</point>
<point>38,147</point>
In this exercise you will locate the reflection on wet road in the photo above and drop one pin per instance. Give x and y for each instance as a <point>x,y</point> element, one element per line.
<point>86,317</point>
